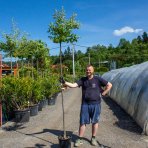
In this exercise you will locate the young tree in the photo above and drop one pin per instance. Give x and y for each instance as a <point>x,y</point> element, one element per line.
<point>10,42</point>
<point>61,31</point>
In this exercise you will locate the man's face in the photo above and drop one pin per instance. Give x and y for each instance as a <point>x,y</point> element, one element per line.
<point>89,71</point>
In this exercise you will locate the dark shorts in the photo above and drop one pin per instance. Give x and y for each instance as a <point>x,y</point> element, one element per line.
<point>90,113</point>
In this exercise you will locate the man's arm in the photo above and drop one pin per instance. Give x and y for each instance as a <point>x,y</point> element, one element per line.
<point>107,88</point>
<point>72,85</point>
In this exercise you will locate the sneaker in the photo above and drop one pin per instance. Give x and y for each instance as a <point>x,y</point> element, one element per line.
<point>93,141</point>
<point>78,142</point>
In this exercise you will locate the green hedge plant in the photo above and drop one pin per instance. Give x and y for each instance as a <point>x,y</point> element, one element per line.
<point>16,91</point>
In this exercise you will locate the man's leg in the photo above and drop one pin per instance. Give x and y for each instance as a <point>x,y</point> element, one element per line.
<point>94,132</point>
<point>82,130</point>
<point>84,119</point>
<point>94,129</point>
<point>96,109</point>
<point>79,141</point>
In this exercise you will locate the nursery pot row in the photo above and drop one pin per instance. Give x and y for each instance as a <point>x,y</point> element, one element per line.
<point>24,115</point>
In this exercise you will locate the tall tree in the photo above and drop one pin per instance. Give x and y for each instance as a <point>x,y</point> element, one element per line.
<point>61,31</point>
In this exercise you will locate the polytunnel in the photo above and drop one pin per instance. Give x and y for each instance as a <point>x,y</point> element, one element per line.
<point>130,91</point>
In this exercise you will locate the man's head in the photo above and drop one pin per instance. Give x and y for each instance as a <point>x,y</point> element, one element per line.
<point>89,71</point>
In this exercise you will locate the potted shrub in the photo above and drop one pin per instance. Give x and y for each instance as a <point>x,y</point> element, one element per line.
<point>37,93</point>
<point>3,104</point>
<point>33,100</point>
<point>54,90</point>
<point>16,92</point>
<point>47,85</point>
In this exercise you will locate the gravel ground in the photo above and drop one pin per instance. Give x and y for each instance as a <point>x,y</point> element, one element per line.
<point>116,128</point>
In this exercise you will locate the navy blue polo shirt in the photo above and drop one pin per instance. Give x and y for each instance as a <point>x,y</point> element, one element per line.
<point>91,89</point>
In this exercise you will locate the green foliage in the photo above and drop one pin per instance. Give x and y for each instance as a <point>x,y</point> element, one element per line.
<point>27,71</point>
<point>102,69</point>
<point>61,30</point>
<point>125,54</point>
<point>47,86</point>
<point>37,91</point>
<point>16,91</point>
<point>17,45</point>
<point>35,52</point>
<point>19,93</point>
<point>11,41</point>
<point>55,84</point>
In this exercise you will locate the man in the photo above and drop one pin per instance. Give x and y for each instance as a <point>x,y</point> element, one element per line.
<point>91,101</point>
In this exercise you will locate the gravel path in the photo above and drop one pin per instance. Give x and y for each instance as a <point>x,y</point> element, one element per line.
<point>116,130</point>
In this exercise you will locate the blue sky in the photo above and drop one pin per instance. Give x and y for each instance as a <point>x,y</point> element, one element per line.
<point>102,22</point>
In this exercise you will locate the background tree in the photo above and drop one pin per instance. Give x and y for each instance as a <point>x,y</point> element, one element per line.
<point>145,37</point>
<point>126,53</point>
<point>11,41</point>
<point>34,53</point>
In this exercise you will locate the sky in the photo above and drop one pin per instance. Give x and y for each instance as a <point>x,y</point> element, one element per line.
<point>102,22</point>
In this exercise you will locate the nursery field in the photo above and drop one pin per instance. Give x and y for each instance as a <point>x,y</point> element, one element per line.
<point>116,129</point>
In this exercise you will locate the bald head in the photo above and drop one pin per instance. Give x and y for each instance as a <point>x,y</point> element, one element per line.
<point>89,71</point>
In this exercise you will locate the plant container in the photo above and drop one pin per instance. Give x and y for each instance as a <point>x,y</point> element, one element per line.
<point>22,115</point>
<point>34,110</point>
<point>64,142</point>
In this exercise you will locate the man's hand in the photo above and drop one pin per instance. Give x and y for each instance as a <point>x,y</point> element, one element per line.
<point>62,80</point>
<point>107,89</point>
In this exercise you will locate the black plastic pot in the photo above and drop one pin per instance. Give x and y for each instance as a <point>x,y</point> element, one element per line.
<point>45,102</point>
<point>52,100</point>
<point>22,115</point>
<point>7,112</point>
<point>64,142</point>
<point>41,104</point>
<point>7,116</point>
<point>33,110</point>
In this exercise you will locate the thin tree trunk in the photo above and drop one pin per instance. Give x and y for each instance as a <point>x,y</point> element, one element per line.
<point>11,64</point>
<point>61,73</point>
<point>32,66</point>
<point>73,61</point>
<point>37,67</point>
<point>22,67</point>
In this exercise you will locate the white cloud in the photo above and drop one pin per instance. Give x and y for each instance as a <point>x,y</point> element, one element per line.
<point>125,30</point>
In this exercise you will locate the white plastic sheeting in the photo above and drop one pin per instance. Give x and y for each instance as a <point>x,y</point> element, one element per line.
<point>130,91</point>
